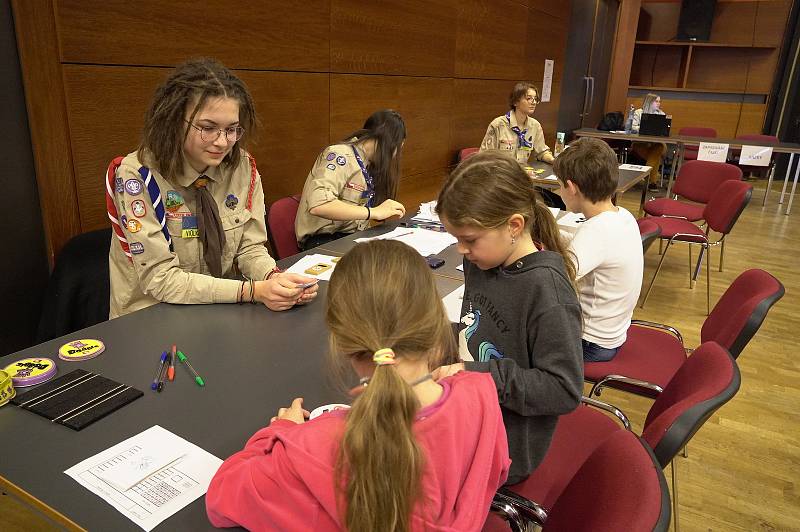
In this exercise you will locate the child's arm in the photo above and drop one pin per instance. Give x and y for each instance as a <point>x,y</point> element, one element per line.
<point>554,383</point>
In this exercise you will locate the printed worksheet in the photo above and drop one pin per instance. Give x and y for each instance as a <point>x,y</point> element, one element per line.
<point>424,241</point>
<point>148,477</point>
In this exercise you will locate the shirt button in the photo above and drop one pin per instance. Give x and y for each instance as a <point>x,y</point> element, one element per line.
<point>518,264</point>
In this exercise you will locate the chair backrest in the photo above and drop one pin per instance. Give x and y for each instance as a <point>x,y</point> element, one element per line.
<point>280,226</point>
<point>693,131</point>
<point>697,180</point>
<point>759,138</point>
<point>741,310</point>
<point>726,204</point>
<point>78,290</point>
<point>649,231</point>
<point>619,487</point>
<point>708,379</point>
<point>466,152</point>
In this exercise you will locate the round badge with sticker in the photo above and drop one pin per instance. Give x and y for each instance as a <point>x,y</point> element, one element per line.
<point>7,392</point>
<point>341,161</point>
<point>331,156</point>
<point>31,371</point>
<point>134,226</point>
<point>81,350</point>
<point>133,187</point>
<point>138,208</point>
<point>324,409</point>
<point>331,166</point>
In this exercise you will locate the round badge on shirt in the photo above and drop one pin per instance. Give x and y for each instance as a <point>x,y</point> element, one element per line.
<point>133,187</point>
<point>341,161</point>
<point>331,156</point>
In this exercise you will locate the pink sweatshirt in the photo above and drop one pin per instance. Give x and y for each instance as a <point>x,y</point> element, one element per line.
<point>284,477</point>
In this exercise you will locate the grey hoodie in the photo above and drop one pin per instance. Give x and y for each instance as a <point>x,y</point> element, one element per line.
<point>522,324</point>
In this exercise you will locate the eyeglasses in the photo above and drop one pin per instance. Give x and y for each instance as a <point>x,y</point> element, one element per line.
<point>533,99</point>
<point>210,134</point>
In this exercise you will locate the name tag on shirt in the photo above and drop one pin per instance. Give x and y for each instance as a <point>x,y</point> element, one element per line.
<point>189,227</point>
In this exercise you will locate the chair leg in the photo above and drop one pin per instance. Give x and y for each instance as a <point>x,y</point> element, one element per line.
<point>658,269</point>
<point>691,264</point>
<point>721,254</point>
<point>708,282</point>
<point>660,246</point>
<point>699,264</point>
<point>674,496</point>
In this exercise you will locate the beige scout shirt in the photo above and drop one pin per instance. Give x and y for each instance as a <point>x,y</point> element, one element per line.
<point>499,136</point>
<point>335,175</point>
<point>154,273</point>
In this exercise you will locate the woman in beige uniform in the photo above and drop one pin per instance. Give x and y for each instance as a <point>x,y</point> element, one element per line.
<point>353,182</point>
<point>187,208</point>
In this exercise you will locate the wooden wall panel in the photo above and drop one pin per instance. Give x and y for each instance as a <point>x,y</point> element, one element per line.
<point>751,120</point>
<point>657,66</point>
<point>490,41</point>
<point>658,21</point>
<point>476,102</point>
<point>556,9</point>
<point>240,33</point>
<point>292,130</point>
<point>424,103</point>
<point>413,38</point>
<point>546,39</point>
<point>762,63</point>
<point>771,20</point>
<point>718,68</point>
<point>733,22</point>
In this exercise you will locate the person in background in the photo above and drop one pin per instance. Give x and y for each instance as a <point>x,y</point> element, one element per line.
<point>353,182</point>
<point>651,152</point>
<point>413,453</point>
<point>187,208</point>
<point>520,315</point>
<point>607,246</point>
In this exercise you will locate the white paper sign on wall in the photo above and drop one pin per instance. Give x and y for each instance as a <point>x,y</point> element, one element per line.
<point>755,156</point>
<point>712,151</point>
<point>547,84</point>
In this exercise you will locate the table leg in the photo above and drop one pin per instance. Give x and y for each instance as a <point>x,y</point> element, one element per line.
<point>771,175</point>
<point>794,186</point>
<point>786,179</point>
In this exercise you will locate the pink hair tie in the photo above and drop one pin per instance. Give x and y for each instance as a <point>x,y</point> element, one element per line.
<point>384,357</point>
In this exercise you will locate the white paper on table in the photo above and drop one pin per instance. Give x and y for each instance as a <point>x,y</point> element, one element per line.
<point>308,261</point>
<point>547,82</point>
<point>424,241</point>
<point>755,155</point>
<point>550,177</point>
<point>452,304</point>
<point>161,492</point>
<point>713,151</point>
<point>635,167</point>
<point>554,211</point>
<point>460,267</point>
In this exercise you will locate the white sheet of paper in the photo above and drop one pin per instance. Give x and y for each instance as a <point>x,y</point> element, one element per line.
<point>460,267</point>
<point>755,155</point>
<point>308,261</point>
<point>713,151</point>
<point>547,82</point>
<point>554,211</point>
<point>427,212</point>
<point>550,177</point>
<point>452,304</point>
<point>634,167</point>
<point>424,241</point>
<point>163,491</point>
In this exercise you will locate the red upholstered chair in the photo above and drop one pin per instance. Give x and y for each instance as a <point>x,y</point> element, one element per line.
<point>280,227</point>
<point>615,485</point>
<point>649,231</point>
<point>653,352</point>
<point>466,152</point>
<point>690,152</point>
<point>696,182</point>
<point>726,204</point>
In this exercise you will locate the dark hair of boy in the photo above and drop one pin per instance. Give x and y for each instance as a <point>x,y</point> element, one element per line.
<point>592,165</point>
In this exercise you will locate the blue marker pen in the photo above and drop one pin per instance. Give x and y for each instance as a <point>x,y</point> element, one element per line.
<point>157,378</point>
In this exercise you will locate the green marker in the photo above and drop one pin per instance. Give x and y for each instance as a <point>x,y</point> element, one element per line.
<point>197,378</point>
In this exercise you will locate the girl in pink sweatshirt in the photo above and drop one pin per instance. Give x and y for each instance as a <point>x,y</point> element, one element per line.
<point>411,453</point>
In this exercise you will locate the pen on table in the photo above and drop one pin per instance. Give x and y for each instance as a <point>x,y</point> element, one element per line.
<point>171,370</point>
<point>162,377</point>
<point>157,378</point>
<point>197,378</point>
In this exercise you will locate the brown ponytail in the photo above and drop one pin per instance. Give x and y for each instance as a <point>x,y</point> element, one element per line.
<point>383,295</point>
<point>486,189</point>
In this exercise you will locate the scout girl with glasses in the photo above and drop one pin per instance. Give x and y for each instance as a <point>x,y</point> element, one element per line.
<point>187,208</point>
<point>353,182</point>
<point>411,453</point>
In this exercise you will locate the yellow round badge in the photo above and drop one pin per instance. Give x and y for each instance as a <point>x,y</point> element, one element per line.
<point>81,350</point>
<point>30,371</point>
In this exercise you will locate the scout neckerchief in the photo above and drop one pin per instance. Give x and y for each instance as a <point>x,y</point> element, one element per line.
<point>113,182</point>
<point>209,226</point>
<point>370,192</point>
<point>523,142</point>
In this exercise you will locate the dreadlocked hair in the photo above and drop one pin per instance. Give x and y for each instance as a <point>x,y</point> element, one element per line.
<point>186,91</point>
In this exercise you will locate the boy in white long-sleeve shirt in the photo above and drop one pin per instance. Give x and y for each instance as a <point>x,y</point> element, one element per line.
<point>607,246</point>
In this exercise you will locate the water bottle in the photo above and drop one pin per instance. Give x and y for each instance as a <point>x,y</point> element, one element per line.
<point>629,120</point>
<point>560,137</point>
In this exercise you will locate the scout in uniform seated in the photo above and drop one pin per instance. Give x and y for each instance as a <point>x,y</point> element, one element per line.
<point>353,182</point>
<point>187,207</point>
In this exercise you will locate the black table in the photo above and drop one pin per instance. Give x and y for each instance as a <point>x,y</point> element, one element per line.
<point>253,362</point>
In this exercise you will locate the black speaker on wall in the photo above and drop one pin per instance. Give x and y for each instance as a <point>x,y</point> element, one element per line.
<point>695,21</point>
